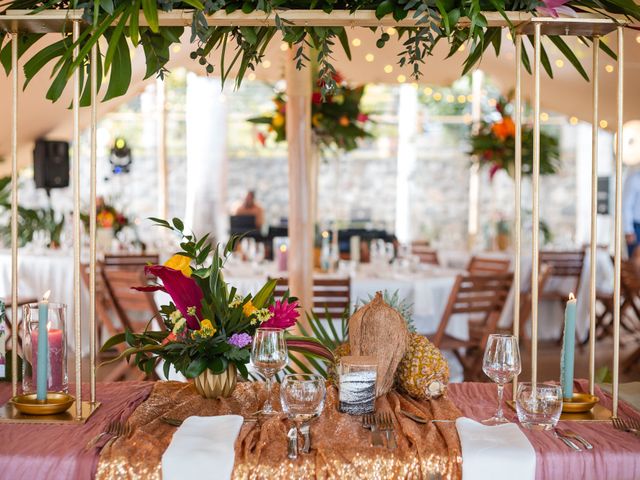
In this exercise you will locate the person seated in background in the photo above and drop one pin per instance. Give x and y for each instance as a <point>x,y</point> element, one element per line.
<point>250,207</point>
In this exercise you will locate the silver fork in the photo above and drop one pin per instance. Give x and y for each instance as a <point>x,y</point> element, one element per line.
<point>568,442</point>
<point>385,421</point>
<point>629,425</point>
<point>580,438</point>
<point>122,430</point>
<point>369,421</point>
<point>112,427</point>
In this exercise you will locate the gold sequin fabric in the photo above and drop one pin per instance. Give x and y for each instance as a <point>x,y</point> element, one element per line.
<point>422,368</point>
<point>341,447</point>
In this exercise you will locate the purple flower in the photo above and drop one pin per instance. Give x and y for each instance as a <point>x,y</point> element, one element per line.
<point>240,340</point>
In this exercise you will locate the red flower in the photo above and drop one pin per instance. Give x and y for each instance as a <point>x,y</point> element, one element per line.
<point>183,290</point>
<point>284,316</point>
<point>316,98</point>
<point>363,117</point>
<point>262,138</point>
<point>338,78</point>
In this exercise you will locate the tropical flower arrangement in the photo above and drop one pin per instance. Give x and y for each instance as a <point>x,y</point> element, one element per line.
<point>494,145</point>
<point>337,122</point>
<point>207,325</point>
<point>107,216</point>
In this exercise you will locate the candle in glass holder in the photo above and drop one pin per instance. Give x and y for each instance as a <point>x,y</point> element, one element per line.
<point>41,346</point>
<point>357,384</point>
<point>281,258</point>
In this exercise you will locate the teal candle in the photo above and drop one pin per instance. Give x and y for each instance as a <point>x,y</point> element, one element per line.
<point>43,347</point>
<point>568,349</point>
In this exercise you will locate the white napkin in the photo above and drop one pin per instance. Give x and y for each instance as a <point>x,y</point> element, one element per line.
<point>496,452</point>
<point>202,444</point>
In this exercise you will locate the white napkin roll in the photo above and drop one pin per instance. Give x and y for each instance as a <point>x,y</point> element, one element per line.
<point>202,444</point>
<point>495,452</point>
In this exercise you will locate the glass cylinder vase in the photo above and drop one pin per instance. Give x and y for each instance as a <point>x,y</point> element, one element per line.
<point>50,375</point>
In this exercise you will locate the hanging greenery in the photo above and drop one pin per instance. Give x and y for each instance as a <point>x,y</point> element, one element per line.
<point>117,23</point>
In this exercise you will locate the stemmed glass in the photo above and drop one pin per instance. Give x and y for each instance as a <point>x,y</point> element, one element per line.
<point>269,355</point>
<point>501,363</point>
<point>302,397</point>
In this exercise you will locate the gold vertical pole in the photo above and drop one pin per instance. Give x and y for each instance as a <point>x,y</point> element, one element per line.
<point>76,223</point>
<point>92,223</point>
<point>161,133</point>
<point>518,186</point>
<point>14,213</point>
<point>618,225</point>
<point>535,225</point>
<point>594,219</point>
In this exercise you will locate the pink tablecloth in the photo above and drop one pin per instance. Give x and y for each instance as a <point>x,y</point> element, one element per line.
<point>38,452</point>
<point>616,455</point>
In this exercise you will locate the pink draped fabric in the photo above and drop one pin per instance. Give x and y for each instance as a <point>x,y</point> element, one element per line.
<point>38,452</point>
<point>616,454</point>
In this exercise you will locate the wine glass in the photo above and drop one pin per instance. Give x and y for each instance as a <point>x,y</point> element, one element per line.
<point>302,397</point>
<point>501,363</point>
<point>269,355</point>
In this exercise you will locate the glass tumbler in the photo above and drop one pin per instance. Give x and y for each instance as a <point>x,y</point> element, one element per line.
<point>538,407</point>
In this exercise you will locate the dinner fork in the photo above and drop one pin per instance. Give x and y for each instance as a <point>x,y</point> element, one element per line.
<point>110,430</point>
<point>122,430</point>
<point>369,421</point>
<point>385,421</point>
<point>580,438</point>
<point>628,425</point>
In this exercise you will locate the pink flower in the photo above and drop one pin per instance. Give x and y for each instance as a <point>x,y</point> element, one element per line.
<point>363,117</point>
<point>183,290</point>
<point>285,315</point>
<point>552,8</point>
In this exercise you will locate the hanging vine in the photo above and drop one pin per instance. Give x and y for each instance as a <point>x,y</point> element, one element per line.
<point>117,22</point>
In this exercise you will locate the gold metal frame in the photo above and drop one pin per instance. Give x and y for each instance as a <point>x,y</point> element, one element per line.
<point>591,25</point>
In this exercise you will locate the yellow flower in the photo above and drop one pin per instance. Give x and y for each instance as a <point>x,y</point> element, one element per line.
<point>249,309</point>
<point>206,329</point>
<point>180,262</point>
<point>315,120</point>
<point>278,120</point>
<point>105,219</point>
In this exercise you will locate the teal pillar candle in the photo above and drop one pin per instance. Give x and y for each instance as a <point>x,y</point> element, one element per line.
<point>568,349</point>
<point>43,348</point>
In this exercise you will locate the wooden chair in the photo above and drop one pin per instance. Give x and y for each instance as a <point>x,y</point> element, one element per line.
<point>482,297</point>
<point>425,253</point>
<point>487,266</point>
<point>629,308</point>
<point>564,265</point>
<point>130,261</point>
<point>331,296</point>
<point>133,309</point>
<point>7,319</point>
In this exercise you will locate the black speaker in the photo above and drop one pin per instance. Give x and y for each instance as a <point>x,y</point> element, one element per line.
<point>51,164</point>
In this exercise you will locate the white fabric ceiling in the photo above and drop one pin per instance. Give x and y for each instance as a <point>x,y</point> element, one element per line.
<point>567,93</point>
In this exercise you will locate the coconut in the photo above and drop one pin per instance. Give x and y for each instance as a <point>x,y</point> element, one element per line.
<point>379,331</point>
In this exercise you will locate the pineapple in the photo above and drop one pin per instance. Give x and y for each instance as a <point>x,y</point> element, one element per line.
<point>423,371</point>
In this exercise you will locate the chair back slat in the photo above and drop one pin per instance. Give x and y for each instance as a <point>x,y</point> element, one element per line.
<point>331,296</point>
<point>425,253</point>
<point>564,265</point>
<point>479,265</point>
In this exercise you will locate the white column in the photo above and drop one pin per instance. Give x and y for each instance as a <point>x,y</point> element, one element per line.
<point>474,170</point>
<point>206,187</point>
<point>407,129</point>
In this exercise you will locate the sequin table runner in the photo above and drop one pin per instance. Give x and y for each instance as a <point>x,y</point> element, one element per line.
<point>341,446</point>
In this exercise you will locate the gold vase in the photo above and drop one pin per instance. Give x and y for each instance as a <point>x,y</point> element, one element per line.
<point>211,385</point>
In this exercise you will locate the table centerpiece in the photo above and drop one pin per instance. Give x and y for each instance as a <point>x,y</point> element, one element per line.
<point>207,328</point>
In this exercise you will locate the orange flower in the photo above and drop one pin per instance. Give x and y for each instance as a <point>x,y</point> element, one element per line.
<point>505,128</point>
<point>105,219</point>
<point>344,121</point>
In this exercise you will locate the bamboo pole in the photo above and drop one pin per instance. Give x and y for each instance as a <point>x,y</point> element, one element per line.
<point>14,213</point>
<point>92,222</point>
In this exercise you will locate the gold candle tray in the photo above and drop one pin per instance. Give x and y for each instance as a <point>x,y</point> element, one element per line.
<point>59,409</point>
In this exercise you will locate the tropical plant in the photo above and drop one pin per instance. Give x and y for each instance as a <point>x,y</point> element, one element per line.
<point>114,26</point>
<point>338,122</point>
<point>107,216</point>
<point>494,144</point>
<point>30,220</point>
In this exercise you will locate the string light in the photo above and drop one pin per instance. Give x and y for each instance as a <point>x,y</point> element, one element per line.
<point>437,96</point>
<point>266,64</point>
<point>609,68</point>
<point>509,36</point>
<point>544,116</point>
<point>462,98</point>
<point>462,47</point>
<point>176,48</point>
<point>603,124</point>
<point>391,31</point>
<point>356,42</point>
<point>573,120</point>
<point>469,98</point>
<point>428,91</point>
<point>402,79</point>
<point>414,84</point>
<point>251,76</point>
<point>388,69</point>
<point>559,63</point>
<point>369,57</point>
<point>284,46</point>
<point>450,98</point>
<point>638,39</point>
